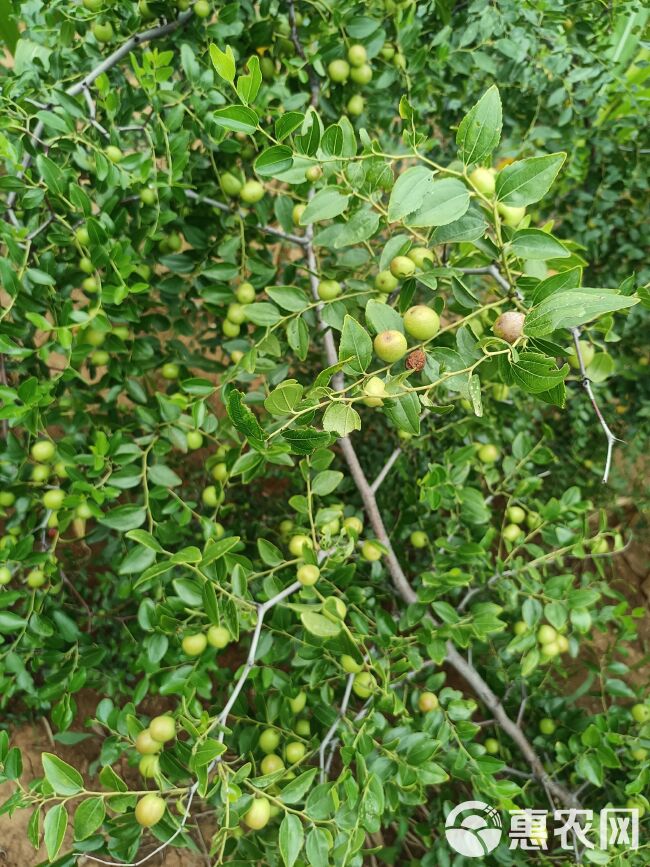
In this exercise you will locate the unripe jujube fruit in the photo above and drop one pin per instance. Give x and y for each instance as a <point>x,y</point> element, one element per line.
<point>271,763</point>
<point>313,173</point>
<point>297,704</point>
<point>546,634</point>
<point>252,192</point>
<point>511,532</point>
<point>258,814</point>
<point>149,810</point>
<point>421,322</point>
<point>295,752</point>
<point>371,551</point>
<point>308,575</point>
<point>162,728</point>
<point>386,282</point>
<point>338,70</point>
<point>419,539</point>
<point>428,701</point>
<point>420,255</point>
<point>149,766</point>
<point>587,352</point>
<point>488,454</point>
<point>350,665</point>
<point>511,215</point>
<point>194,439</point>
<point>296,544</point>
<point>146,745</point>
<point>219,637</point>
<point>484,181</point>
<point>374,389</point>
<point>230,184</point>
<point>353,523</point>
<point>516,515</point>
<point>194,645</point>
<point>43,451</point>
<point>328,290</point>
<point>390,346</point>
<point>402,267</point>
<point>53,499</point>
<point>245,293</point>
<point>357,55</point>
<point>269,740</point>
<point>509,326</point>
<point>364,684</point>
<point>356,105</point>
<point>361,74</point>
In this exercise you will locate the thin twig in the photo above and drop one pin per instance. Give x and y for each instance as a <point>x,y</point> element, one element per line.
<point>221,206</point>
<point>586,384</point>
<point>262,610</point>
<point>108,63</point>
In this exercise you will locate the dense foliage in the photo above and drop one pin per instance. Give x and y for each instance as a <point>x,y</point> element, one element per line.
<point>300,470</point>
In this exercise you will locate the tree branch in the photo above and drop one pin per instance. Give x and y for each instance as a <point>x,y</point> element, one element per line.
<point>269,230</point>
<point>262,610</point>
<point>586,384</point>
<point>106,64</point>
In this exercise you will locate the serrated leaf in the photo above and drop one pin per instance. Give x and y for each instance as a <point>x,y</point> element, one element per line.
<point>409,191</point>
<point>341,418</point>
<point>284,398</point>
<point>572,308</point>
<point>64,779</point>
<point>325,205</point>
<point>527,181</point>
<point>88,817</point>
<point>447,201</point>
<point>355,345</point>
<point>536,373</point>
<point>480,130</point>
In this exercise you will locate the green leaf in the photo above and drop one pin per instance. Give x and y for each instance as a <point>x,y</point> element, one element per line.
<point>326,204</point>
<point>54,827</point>
<point>572,308</point>
<point>480,130</point>
<point>295,791</point>
<point>124,518</point>
<point>9,32</point>
<point>248,86</point>
<point>88,817</point>
<point>527,181</point>
<point>536,244</point>
<point>284,398</point>
<point>287,123</point>
<point>326,482</point>
<point>536,373</point>
<point>409,191</point>
<point>319,842</point>
<point>589,768</point>
<point>274,160</point>
<point>404,412</point>
<point>382,317</point>
<point>289,297</point>
<point>290,838</point>
<point>304,441</point>
<point>142,537</point>
<point>216,550</point>
<point>447,201</point>
<point>237,118</point>
<point>355,346</point>
<point>52,175</point>
<point>341,418</point>
<point>207,752</point>
<point>64,779</point>
<point>470,227</point>
<point>243,419</point>
<point>223,62</point>
<point>263,313</point>
<point>318,625</point>
<point>159,474</point>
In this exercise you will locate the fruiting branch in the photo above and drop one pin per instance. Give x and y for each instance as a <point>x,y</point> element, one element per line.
<point>80,86</point>
<point>586,384</point>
